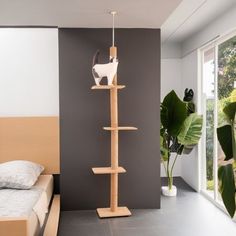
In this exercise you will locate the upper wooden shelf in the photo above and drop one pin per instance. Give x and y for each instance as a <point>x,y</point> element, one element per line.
<point>108,86</point>
<point>107,170</point>
<point>120,128</point>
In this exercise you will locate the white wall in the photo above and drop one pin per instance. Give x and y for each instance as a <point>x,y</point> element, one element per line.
<point>29,84</point>
<point>189,163</point>
<point>171,79</point>
<point>171,50</point>
<point>171,76</point>
<point>179,74</point>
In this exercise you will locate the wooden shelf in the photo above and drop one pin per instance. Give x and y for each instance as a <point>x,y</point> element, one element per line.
<point>120,128</point>
<point>108,86</point>
<point>107,170</point>
<point>107,212</point>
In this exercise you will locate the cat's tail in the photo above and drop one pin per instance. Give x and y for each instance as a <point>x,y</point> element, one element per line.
<point>95,58</point>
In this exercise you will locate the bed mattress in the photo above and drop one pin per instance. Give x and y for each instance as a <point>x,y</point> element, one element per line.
<point>32,203</point>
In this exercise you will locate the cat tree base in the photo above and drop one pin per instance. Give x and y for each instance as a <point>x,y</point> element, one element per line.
<point>106,212</point>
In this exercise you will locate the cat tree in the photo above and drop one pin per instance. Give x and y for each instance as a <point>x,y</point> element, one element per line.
<point>114,170</point>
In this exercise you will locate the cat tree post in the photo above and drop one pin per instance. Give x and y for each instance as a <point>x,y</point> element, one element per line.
<point>114,210</point>
<point>114,138</point>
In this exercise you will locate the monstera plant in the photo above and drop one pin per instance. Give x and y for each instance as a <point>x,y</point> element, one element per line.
<point>226,176</point>
<point>180,129</point>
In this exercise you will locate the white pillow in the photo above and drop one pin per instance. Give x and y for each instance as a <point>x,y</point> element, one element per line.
<point>19,174</point>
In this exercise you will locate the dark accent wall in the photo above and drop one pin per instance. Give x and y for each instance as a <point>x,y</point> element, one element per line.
<point>83,113</point>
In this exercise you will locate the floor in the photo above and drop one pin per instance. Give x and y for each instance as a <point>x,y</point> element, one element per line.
<point>190,214</point>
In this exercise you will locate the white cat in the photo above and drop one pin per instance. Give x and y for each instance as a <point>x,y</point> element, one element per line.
<point>104,70</point>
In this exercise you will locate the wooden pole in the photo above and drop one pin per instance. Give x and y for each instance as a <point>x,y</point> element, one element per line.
<point>114,139</point>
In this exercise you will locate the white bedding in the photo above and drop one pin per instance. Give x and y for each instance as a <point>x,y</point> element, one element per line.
<point>18,203</point>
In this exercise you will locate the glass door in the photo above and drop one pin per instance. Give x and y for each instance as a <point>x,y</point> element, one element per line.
<point>218,88</point>
<point>208,105</point>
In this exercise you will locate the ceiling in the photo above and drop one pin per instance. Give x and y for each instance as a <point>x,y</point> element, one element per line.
<point>89,13</point>
<point>191,16</point>
<point>178,19</point>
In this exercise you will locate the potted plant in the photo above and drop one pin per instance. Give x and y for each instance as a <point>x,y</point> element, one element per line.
<point>226,170</point>
<point>180,131</point>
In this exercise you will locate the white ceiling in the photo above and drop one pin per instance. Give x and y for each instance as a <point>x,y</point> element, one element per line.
<point>178,19</point>
<point>191,16</point>
<point>86,13</point>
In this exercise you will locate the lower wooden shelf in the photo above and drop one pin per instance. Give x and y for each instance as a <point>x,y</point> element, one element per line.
<point>120,128</point>
<point>107,170</point>
<point>120,211</point>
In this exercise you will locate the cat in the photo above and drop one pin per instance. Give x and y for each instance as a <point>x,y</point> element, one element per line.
<point>100,71</point>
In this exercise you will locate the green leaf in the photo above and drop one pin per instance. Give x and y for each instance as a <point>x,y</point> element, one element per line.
<point>164,154</point>
<point>163,149</point>
<point>176,147</point>
<point>224,135</point>
<point>190,132</point>
<point>227,187</point>
<point>164,117</point>
<point>188,149</point>
<point>230,110</point>
<point>173,113</point>
<point>191,107</point>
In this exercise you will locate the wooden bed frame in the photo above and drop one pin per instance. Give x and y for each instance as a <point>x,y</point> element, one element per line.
<point>34,139</point>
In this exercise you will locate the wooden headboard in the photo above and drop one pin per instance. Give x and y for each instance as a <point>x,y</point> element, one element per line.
<point>31,138</point>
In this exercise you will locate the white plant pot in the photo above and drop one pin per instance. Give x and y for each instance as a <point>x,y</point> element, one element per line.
<point>169,192</point>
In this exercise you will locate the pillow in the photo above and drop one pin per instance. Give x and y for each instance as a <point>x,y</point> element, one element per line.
<point>19,174</point>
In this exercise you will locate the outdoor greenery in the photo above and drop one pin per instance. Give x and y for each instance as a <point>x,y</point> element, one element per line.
<point>226,94</point>
<point>226,173</point>
<point>209,142</point>
<point>180,129</point>
<point>227,68</point>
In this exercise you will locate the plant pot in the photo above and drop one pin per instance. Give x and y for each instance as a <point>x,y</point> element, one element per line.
<point>169,192</point>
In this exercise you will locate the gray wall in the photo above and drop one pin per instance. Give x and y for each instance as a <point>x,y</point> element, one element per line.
<point>84,112</point>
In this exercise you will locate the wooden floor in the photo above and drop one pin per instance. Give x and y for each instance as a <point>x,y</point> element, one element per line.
<point>190,214</point>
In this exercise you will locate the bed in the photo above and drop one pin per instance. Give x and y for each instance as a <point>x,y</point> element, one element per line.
<point>33,139</point>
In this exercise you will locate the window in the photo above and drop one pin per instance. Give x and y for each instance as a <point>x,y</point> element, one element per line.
<point>218,88</point>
